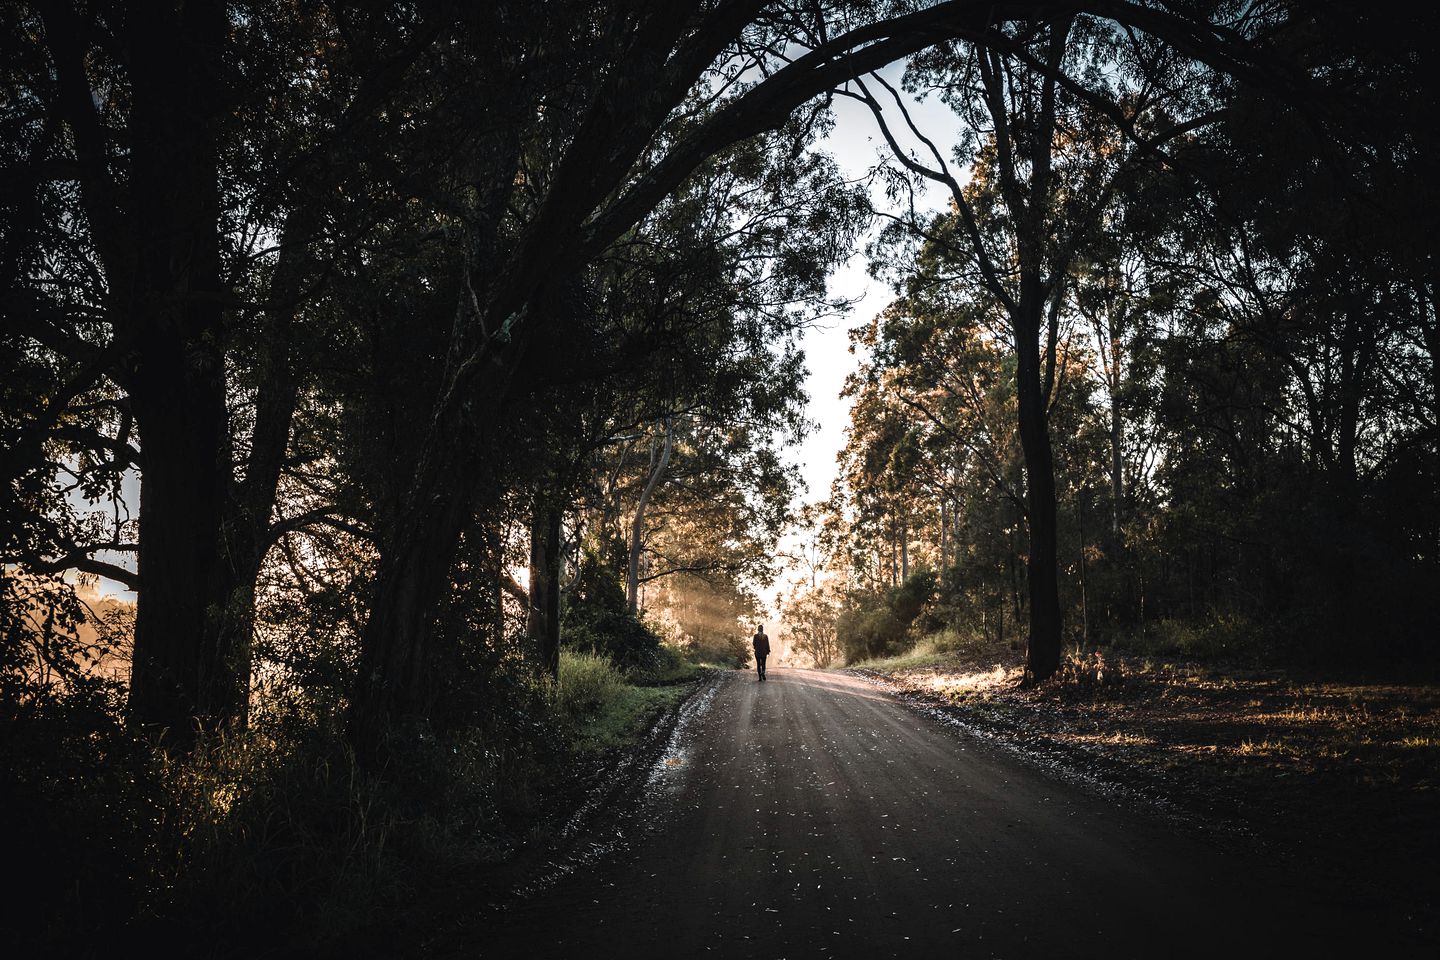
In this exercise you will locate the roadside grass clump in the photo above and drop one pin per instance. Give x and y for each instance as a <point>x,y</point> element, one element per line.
<point>598,709</point>
<point>588,684</point>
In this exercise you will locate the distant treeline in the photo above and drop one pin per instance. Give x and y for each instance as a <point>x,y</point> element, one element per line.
<point>1229,329</point>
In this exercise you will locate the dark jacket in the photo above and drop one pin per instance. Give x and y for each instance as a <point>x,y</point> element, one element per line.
<point>761,643</point>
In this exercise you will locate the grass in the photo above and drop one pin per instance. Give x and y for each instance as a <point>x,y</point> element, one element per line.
<point>1193,715</point>
<point>951,663</point>
<point>173,854</point>
<point>601,707</point>
<point>625,717</point>
<point>1222,637</point>
<point>933,651</point>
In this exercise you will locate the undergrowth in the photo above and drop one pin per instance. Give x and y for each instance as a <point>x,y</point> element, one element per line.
<point>603,707</point>
<point>122,846</point>
<point>934,648</point>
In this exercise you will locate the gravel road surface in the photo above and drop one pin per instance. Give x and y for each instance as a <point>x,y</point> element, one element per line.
<point>814,815</point>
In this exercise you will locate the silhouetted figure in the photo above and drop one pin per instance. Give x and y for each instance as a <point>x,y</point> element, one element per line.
<point>761,643</point>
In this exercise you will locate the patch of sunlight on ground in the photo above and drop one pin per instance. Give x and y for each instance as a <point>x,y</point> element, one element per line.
<point>1263,748</point>
<point>951,684</point>
<point>1113,739</point>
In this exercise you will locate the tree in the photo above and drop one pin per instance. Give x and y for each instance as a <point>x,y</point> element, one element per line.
<point>809,618</point>
<point>181,183</point>
<point>1045,170</point>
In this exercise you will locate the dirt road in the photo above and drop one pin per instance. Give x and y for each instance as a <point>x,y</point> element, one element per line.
<point>815,816</point>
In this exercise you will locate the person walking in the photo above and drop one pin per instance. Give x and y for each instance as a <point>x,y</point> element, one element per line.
<point>761,643</point>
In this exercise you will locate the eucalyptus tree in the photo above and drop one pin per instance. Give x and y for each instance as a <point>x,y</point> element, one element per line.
<point>161,150</point>
<point>199,171</point>
<point>1039,102</point>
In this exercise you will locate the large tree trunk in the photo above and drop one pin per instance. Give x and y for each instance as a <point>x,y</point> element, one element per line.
<point>544,621</point>
<point>413,580</point>
<point>417,549</point>
<point>176,679</point>
<point>1042,657</point>
<point>178,384</point>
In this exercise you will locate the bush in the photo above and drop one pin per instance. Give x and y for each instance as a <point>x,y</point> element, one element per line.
<point>588,683</point>
<point>879,624</point>
<point>952,639</point>
<point>1088,671</point>
<point>83,816</point>
<point>722,649</point>
<point>598,619</point>
<point>296,830</point>
<point>1222,637</point>
<point>869,633</point>
<point>667,665</point>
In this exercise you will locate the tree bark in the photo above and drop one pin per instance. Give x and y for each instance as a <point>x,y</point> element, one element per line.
<point>1042,656</point>
<point>544,618</point>
<point>637,525</point>
<point>412,580</point>
<point>417,547</point>
<point>1029,313</point>
<point>178,383</point>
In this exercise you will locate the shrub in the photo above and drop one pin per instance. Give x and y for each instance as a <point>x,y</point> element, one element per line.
<point>666,665</point>
<point>588,683</point>
<point>598,619</point>
<point>879,624</point>
<point>1221,637</point>
<point>951,639</point>
<point>723,649</point>
<point>1088,671</point>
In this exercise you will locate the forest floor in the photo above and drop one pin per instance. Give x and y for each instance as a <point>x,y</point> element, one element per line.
<point>1338,778</point>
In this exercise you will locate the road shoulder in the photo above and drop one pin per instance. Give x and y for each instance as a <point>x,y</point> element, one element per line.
<point>1333,782</point>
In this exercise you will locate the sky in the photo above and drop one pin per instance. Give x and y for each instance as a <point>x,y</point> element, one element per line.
<point>857,145</point>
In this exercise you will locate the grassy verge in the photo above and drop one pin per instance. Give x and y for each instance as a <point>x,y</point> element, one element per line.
<point>602,707</point>
<point>122,845</point>
<point>1334,775</point>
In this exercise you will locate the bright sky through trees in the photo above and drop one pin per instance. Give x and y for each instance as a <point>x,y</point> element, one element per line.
<point>858,147</point>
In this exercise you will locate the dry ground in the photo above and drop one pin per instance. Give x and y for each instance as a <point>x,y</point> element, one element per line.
<point>1337,778</point>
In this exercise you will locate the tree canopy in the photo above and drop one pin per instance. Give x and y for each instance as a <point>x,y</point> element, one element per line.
<point>381,350</point>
